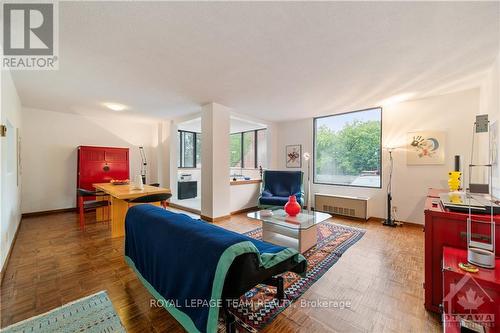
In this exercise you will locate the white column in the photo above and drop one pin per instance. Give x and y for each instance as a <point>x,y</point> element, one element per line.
<point>163,156</point>
<point>174,155</point>
<point>215,187</point>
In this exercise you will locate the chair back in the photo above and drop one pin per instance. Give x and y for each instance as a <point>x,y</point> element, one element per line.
<point>86,193</point>
<point>151,198</point>
<point>282,183</point>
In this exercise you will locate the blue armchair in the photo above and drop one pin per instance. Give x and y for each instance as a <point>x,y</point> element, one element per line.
<point>277,186</point>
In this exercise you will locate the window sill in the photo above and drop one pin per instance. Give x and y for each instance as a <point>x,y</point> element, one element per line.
<point>244,182</point>
<point>349,185</point>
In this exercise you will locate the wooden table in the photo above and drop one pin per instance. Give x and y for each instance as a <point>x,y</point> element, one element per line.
<point>119,206</point>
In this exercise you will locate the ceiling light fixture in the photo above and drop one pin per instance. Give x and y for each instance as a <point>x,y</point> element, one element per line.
<point>115,106</point>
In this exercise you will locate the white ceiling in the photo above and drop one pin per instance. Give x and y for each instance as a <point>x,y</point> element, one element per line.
<point>272,60</point>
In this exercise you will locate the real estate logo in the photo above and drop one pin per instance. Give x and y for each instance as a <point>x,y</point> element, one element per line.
<point>467,299</point>
<point>30,35</point>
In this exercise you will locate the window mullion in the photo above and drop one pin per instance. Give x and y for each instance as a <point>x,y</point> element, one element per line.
<point>255,149</point>
<point>242,154</point>
<point>181,150</point>
<point>194,150</point>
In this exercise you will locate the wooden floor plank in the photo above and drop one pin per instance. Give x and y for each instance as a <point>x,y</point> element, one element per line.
<point>381,276</point>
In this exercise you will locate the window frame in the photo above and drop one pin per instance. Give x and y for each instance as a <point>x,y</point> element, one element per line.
<point>243,166</point>
<point>380,160</point>
<point>181,150</point>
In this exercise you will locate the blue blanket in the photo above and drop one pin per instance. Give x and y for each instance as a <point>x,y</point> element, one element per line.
<point>183,262</point>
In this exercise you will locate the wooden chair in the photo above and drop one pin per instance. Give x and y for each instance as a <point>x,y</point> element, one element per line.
<point>164,203</point>
<point>88,205</point>
<point>150,198</point>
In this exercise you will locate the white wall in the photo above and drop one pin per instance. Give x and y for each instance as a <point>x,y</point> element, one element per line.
<point>244,196</point>
<point>49,153</point>
<point>490,104</point>
<point>10,185</point>
<point>453,113</point>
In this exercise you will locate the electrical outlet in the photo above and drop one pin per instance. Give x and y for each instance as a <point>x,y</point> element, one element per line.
<point>395,209</point>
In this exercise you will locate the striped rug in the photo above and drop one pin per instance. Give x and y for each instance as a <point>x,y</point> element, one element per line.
<point>91,314</point>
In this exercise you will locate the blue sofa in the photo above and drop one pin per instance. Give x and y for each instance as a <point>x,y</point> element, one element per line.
<point>181,260</point>
<point>277,186</point>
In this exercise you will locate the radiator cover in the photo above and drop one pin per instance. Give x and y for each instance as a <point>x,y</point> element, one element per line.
<point>356,207</point>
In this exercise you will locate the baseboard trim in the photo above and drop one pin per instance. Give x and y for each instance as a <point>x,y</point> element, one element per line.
<point>4,268</point>
<point>244,210</point>
<point>195,211</point>
<point>187,209</point>
<point>47,212</point>
<point>410,224</point>
<point>215,219</point>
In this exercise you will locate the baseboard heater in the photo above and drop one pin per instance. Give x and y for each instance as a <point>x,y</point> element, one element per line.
<point>356,207</point>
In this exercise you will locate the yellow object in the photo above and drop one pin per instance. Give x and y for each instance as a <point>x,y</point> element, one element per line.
<point>454,180</point>
<point>455,198</point>
<point>468,267</point>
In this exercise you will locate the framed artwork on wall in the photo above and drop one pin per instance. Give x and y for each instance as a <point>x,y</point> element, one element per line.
<point>426,148</point>
<point>294,156</point>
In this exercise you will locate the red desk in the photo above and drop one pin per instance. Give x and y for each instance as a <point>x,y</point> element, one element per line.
<point>475,296</point>
<point>444,228</point>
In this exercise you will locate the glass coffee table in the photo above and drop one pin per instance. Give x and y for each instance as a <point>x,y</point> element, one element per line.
<point>298,232</point>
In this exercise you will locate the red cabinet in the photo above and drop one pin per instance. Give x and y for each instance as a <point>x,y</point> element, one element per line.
<point>100,165</point>
<point>444,228</point>
<point>473,296</point>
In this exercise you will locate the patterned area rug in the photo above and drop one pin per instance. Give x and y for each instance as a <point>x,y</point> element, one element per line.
<point>258,306</point>
<point>91,314</point>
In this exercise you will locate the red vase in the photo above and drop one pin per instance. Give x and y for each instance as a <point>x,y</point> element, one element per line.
<point>292,207</point>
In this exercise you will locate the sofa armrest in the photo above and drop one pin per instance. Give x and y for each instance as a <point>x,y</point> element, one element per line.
<point>266,194</point>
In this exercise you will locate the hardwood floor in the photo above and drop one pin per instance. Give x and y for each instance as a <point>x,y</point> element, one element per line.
<point>53,263</point>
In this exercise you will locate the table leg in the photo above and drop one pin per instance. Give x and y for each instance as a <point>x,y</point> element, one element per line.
<point>308,238</point>
<point>102,214</point>
<point>119,210</point>
<point>265,233</point>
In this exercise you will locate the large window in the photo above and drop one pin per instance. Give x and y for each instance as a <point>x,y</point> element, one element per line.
<point>198,150</point>
<point>189,149</point>
<point>248,149</point>
<point>347,148</point>
<point>235,160</point>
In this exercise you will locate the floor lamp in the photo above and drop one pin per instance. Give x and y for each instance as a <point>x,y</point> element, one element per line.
<point>307,158</point>
<point>390,221</point>
<point>144,164</point>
